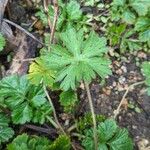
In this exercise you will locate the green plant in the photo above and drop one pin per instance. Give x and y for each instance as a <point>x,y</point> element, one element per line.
<point>128,10</point>
<point>25,142</point>
<point>5,131</point>
<point>70,15</point>
<point>2,42</point>
<point>146,73</point>
<point>24,100</point>
<point>68,100</point>
<point>85,122</point>
<point>62,143</point>
<point>143,27</point>
<point>119,35</point>
<point>79,59</point>
<point>130,14</point>
<point>110,137</point>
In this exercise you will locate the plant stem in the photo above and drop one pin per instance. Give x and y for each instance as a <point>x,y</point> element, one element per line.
<point>54,111</point>
<point>52,122</point>
<point>93,115</point>
<point>116,112</point>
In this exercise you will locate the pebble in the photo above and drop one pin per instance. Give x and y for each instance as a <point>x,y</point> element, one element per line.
<point>124,69</point>
<point>122,80</point>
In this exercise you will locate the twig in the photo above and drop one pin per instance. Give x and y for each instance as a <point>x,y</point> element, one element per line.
<point>52,122</point>
<point>54,21</point>
<point>23,30</point>
<point>116,112</point>
<point>54,111</point>
<point>93,115</point>
<point>24,60</point>
<point>40,129</point>
<point>74,126</point>
<point>46,11</point>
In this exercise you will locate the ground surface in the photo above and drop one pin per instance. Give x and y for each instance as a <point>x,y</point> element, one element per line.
<point>135,113</point>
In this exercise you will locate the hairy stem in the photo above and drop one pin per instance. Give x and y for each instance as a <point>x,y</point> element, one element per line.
<point>54,111</point>
<point>93,115</point>
<point>116,112</point>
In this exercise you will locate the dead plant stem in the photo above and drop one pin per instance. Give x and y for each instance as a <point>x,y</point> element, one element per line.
<point>116,112</point>
<point>54,111</point>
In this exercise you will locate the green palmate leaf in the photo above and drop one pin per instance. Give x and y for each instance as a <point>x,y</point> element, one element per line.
<point>140,6</point>
<point>121,141</point>
<point>128,16</point>
<point>40,115</point>
<point>107,129</point>
<point>68,100</point>
<point>62,143</point>
<point>24,142</point>
<point>79,59</point>
<point>142,24</point>
<point>145,36</point>
<point>4,120</point>
<point>110,136</point>
<point>5,132</point>
<point>146,73</point>
<point>39,72</point>
<point>127,42</point>
<point>73,10</point>
<point>2,42</point>
<point>42,15</point>
<point>22,98</point>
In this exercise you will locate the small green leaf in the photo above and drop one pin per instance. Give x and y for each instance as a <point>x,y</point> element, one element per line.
<point>140,6</point>
<point>107,130</point>
<point>128,17</point>
<point>5,132</point>
<point>146,73</point>
<point>142,24</point>
<point>145,36</point>
<point>73,10</point>
<point>121,141</point>
<point>61,143</point>
<point>22,114</point>
<point>39,72</point>
<point>119,2</point>
<point>110,137</point>
<point>24,142</point>
<point>2,42</point>
<point>68,100</point>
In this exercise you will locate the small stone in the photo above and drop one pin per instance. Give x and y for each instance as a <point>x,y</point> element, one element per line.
<point>119,72</point>
<point>122,80</point>
<point>114,84</point>
<point>124,69</point>
<point>142,55</point>
<point>120,87</point>
<point>106,91</point>
<point>134,127</point>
